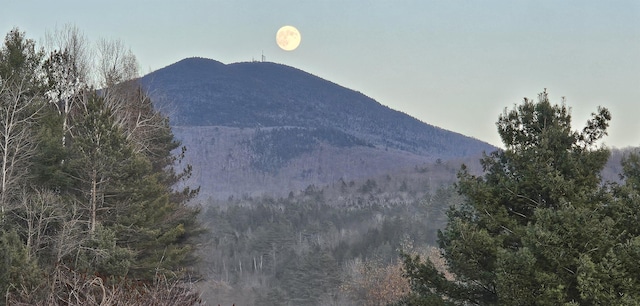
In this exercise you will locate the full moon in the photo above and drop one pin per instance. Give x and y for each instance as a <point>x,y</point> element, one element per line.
<point>288,38</point>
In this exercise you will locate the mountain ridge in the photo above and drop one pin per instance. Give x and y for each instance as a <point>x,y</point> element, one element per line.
<point>307,100</point>
<point>276,116</point>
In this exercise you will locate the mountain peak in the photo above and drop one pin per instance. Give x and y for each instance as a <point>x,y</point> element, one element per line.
<point>193,66</point>
<point>267,128</point>
<point>199,62</point>
<point>205,92</point>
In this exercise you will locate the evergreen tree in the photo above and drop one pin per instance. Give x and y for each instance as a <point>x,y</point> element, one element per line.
<point>158,225</point>
<point>538,228</point>
<point>16,268</point>
<point>98,195</point>
<point>132,211</point>
<point>609,273</point>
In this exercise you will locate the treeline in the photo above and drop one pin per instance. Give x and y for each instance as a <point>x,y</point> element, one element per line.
<point>90,209</point>
<point>307,249</point>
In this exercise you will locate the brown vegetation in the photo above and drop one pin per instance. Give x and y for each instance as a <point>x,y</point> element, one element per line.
<point>376,284</point>
<point>68,287</point>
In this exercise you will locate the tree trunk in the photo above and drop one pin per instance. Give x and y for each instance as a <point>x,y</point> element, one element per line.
<point>94,197</point>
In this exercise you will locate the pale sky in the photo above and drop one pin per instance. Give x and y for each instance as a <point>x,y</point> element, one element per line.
<point>453,64</point>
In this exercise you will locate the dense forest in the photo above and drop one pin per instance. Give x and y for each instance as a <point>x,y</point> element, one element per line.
<point>277,147</point>
<point>261,128</point>
<point>91,211</point>
<point>94,208</point>
<point>204,92</point>
<point>332,245</point>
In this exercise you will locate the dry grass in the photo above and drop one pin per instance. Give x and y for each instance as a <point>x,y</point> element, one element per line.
<point>67,287</point>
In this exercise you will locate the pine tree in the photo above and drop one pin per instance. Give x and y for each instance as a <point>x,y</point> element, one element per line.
<point>157,223</point>
<point>132,211</point>
<point>538,228</point>
<point>99,195</point>
<point>16,269</point>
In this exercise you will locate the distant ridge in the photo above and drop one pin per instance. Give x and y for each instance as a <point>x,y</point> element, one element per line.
<point>204,92</point>
<point>271,115</point>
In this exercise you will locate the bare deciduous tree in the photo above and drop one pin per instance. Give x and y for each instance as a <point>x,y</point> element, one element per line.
<point>374,283</point>
<point>65,87</point>
<point>19,85</point>
<point>41,212</point>
<point>71,41</point>
<point>131,107</point>
<point>68,72</point>
<point>116,63</point>
<point>16,143</point>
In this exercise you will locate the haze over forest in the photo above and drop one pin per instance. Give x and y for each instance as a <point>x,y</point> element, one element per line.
<point>257,183</point>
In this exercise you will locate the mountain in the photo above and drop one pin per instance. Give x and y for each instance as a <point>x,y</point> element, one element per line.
<point>265,128</point>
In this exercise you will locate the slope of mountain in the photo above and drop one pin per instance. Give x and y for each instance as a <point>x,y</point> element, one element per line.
<point>260,127</point>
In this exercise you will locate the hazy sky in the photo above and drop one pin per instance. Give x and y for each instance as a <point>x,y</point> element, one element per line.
<point>453,64</point>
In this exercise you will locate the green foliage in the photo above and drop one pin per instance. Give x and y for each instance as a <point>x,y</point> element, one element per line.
<point>16,268</point>
<point>99,193</point>
<point>48,167</point>
<point>135,201</point>
<point>19,59</point>
<point>103,256</point>
<point>423,293</point>
<point>538,227</point>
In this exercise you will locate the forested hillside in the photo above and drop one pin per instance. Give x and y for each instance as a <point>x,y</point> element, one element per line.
<point>509,234</point>
<point>264,129</point>
<point>89,209</point>
<point>203,92</point>
<point>314,194</point>
<point>333,245</point>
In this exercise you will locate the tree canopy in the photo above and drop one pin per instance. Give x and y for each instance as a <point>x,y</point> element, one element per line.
<point>539,227</point>
<point>89,178</point>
